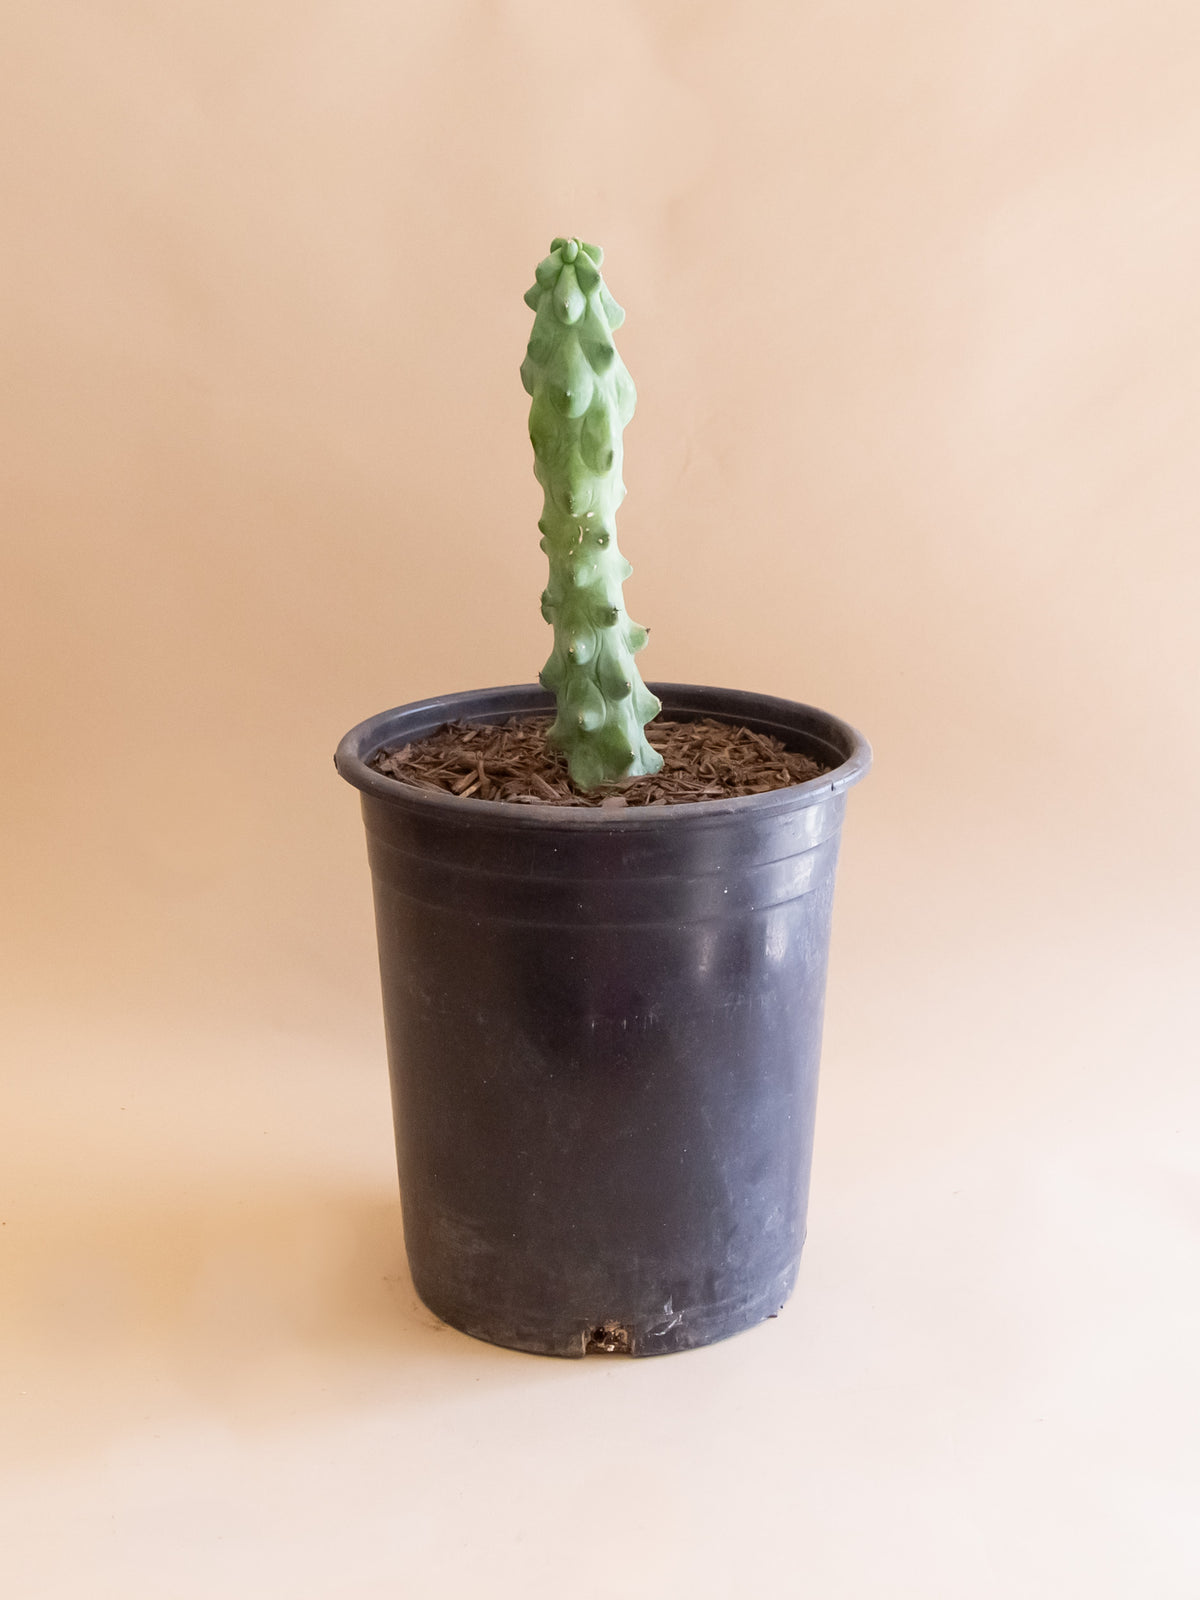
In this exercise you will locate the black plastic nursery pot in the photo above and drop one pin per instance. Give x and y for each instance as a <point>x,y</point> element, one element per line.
<point>603,1031</point>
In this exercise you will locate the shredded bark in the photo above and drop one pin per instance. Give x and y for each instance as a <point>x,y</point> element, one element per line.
<point>511,761</point>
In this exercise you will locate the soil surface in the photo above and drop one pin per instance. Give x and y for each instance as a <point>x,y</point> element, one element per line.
<point>705,760</point>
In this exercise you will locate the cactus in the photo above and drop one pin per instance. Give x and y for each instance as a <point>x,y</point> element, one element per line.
<point>582,399</point>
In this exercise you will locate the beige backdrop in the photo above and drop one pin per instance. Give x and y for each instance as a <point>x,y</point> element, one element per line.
<point>911,296</point>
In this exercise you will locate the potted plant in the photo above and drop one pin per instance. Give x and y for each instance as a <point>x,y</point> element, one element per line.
<point>603,1010</point>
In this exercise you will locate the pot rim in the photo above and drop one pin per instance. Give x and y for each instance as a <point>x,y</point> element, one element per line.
<point>366,738</point>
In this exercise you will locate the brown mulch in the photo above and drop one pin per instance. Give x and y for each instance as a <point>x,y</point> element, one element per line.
<point>705,760</point>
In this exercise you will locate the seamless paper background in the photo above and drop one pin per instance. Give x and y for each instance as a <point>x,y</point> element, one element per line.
<point>911,308</point>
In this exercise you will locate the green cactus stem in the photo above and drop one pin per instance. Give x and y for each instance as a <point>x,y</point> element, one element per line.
<point>582,399</point>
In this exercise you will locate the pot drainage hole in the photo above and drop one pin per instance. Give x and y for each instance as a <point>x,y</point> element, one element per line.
<point>608,1339</point>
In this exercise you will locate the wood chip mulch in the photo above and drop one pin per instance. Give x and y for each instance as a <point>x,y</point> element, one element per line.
<point>511,761</point>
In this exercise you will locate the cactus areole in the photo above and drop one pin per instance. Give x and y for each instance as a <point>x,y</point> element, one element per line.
<point>582,399</point>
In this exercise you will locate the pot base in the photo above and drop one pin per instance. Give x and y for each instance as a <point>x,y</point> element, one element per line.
<point>663,1331</point>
